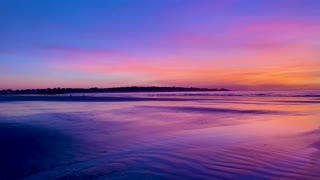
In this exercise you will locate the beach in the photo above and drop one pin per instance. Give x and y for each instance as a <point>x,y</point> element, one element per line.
<point>175,136</point>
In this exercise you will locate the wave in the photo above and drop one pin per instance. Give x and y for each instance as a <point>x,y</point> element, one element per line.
<point>217,110</point>
<point>182,160</point>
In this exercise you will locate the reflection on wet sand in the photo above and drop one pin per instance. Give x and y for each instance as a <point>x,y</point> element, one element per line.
<point>27,149</point>
<point>234,137</point>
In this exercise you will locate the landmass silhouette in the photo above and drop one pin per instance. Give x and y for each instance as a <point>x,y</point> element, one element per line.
<point>107,90</point>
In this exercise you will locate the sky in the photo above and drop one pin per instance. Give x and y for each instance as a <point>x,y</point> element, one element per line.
<point>235,44</point>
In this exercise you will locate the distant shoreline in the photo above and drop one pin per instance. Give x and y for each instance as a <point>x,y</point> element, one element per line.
<point>130,89</point>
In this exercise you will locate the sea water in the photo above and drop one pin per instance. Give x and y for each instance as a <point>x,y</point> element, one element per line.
<point>195,135</point>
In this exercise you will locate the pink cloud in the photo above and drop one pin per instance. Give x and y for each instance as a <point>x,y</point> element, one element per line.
<point>259,35</point>
<point>270,65</point>
<point>208,41</point>
<point>189,71</point>
<point>280,25</point>
<point>274,71</point>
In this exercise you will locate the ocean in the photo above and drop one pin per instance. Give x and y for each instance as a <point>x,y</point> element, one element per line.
<point>187,135</point>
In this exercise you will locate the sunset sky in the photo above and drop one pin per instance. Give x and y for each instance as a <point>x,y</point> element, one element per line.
<point>236,44</point>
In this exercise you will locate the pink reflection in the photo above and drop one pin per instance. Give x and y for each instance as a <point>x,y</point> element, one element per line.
<point>198,137</point>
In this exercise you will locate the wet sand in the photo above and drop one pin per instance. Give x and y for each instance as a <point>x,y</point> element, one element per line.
<point>179,138</point>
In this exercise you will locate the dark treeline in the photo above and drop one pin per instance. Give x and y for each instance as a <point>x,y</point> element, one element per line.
<point>106,90</point>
